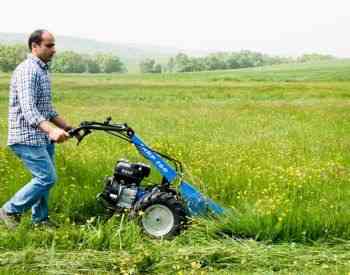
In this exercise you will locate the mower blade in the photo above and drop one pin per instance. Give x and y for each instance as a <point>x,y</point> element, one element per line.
<point>196,202</point>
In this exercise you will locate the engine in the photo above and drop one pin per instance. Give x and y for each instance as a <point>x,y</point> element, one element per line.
<point>121,189</point>
<point>127,173</point>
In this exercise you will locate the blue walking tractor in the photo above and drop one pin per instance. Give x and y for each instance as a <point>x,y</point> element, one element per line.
<point>163,210</point>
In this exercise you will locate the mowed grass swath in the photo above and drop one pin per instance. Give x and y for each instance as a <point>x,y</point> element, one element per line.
<point>270,144</point>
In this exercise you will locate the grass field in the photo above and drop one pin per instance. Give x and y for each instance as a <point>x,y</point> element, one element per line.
<point>270,144</point>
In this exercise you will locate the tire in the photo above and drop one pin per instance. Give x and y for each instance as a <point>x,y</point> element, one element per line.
<point>161,215</point>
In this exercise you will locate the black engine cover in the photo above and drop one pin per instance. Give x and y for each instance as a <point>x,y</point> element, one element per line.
<point>127,173</point>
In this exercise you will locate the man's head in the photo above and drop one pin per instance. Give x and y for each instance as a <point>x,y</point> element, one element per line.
<point>42,44</point>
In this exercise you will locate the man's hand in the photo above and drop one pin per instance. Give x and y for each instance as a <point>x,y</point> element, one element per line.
<point>58,135</point>
<point>55,134</point>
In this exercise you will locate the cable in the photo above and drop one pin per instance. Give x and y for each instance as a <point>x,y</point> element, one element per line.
<point>178,165</point>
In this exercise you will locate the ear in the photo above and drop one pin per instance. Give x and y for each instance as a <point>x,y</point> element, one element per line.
<point>34,45</point>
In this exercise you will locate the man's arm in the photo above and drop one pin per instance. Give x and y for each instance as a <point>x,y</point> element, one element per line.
<point>27,85</point>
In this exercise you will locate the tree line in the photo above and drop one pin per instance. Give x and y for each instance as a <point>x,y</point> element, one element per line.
<point>65,62</point>
<point>72,62</point>
<point>224,61</point>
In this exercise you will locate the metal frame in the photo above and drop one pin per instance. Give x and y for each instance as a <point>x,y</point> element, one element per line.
<point>196,202</point>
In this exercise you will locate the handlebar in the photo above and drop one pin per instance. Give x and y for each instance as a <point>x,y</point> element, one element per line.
<point>84,129</point>
<point>122,131</point>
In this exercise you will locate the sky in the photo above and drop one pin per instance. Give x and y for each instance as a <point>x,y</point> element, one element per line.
<point>278,27</point>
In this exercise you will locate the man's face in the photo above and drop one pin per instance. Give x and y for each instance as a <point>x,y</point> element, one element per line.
<point>46,49</point>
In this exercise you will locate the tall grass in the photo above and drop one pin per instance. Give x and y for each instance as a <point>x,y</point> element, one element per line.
<point>275,153</point>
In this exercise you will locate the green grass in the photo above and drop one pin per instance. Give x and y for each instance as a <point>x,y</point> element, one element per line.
<point>271,144</point>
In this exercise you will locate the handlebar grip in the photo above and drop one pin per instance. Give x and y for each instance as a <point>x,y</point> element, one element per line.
<point>75,132</point>
<point>72,132</point>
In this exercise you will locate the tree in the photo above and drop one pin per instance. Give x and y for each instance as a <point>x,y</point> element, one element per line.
<point>222,60</point>
<point>68,62</point>
<point>92,65</point>
<point>314,57</point>
<point>65,62</point>
<point>11,56</point>
<point>215,61</point>
<point>110,63</point>
<point>171,65</point>
<point>157,68</point>
<point>183,63</point>
<point>149,66</point>
<point>232,61</point>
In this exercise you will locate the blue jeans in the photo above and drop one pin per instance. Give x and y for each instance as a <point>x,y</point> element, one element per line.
<point>35,194</point>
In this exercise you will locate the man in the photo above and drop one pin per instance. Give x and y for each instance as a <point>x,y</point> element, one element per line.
<point>33,128</point>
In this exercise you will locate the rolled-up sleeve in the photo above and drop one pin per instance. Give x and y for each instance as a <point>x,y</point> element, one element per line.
<point>27,86</point>
<point>52,113</point>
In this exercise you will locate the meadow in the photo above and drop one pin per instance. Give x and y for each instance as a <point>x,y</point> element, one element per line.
<point>269,144</point>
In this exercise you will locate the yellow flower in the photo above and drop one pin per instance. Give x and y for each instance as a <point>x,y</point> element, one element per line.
<point>195,265</point>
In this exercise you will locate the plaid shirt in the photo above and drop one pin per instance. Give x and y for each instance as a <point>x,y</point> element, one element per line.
<point>29,103</point>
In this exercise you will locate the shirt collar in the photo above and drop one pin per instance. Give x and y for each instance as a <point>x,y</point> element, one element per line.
<point>36,59</point>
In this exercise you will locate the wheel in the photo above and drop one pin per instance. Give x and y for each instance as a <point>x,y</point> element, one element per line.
<point>161,215</point>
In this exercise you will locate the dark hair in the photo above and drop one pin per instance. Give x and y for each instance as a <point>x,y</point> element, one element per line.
<point>35,37</point>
